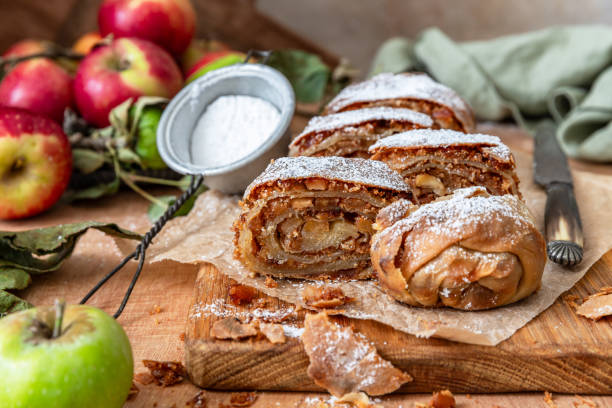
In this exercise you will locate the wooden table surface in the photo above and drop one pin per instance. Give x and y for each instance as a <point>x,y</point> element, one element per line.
<point>170,286</point>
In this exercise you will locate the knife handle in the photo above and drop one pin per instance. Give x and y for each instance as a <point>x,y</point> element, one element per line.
<point>562,224</point>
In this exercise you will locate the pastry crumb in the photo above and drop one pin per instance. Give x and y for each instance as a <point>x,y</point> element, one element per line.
<point>270,282</point>
<point>240,400</point>
<point>571,300</point>
<point>548,399</point>
<point>133,393</point>
<point>274,332</point>
<point>241,294</point>
<point>144,378</point>
<point>597,305</point>
<point>584,402</point>
<point>344,362</point>
<point>442,399</point>
<point>155,310</point>
<point>166,373</point>
<point>324,298</point>
<point>232,328</point>
<point>198,401</point>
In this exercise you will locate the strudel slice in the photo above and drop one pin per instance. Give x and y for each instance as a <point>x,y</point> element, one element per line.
<point>312,216</point>
<point>469,251</point>
<point>437,162</point>
<point>415,91</point>
<point>351,133</point>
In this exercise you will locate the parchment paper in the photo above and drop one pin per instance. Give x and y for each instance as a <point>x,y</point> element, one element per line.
<point>205,236</point>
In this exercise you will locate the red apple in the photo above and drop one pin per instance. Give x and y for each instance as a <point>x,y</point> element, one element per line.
<point>38,85</point>
<point>212,61</point>
<point>25,47</point>
<point>86,42</point>
<point>35,163</point>
<point>197,49</point>
<point>126,68</point>
<point>167,23</point>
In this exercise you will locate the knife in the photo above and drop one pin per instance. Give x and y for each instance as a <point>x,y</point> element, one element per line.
<point>564,239</point>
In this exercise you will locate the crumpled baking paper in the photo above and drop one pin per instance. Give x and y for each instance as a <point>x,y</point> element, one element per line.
<point>205,236</point>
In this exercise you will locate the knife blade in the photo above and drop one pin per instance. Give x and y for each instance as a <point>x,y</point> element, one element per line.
<point>562,225</point>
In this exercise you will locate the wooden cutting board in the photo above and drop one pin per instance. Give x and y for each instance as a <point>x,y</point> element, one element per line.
<point>558,351</point>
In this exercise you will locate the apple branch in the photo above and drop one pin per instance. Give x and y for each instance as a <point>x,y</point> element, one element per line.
<point>54,53</point>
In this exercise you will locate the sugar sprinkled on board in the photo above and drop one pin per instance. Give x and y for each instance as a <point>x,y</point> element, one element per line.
<point>355,117</point>
<point>443,138</point>
<point>409,86</point>
<point>231,128</point>
<point>362,171</point>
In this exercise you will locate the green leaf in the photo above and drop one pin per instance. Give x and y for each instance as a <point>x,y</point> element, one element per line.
<point>12,278</point>
<point>95,191</point>
<point>127,155</point>
<point>10,303</point>
<point>87,161</point>
<point>306,72</point>
<point>45,249</point>
<point>155,211</point>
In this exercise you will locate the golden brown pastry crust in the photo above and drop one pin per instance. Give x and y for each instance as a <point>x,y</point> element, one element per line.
<point>351,133</point>
<point>415,91</point>
<point>437,162</point>
<point>342,361</point>
<point>312,216</point>
<point>469,251</point>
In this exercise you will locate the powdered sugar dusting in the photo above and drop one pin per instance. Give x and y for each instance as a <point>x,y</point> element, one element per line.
<point>451,214</point>
<point>355,117</point>
<point>362,171</point>
<point>411,86</point>
<point>443,138</point>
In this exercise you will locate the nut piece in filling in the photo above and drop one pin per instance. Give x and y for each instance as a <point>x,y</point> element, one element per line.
<point>469,251</point>
<point>416,91</point>
<point>351,133</point>
<point>312,216</point>
<point>344,362</point>
<point>437,162</point>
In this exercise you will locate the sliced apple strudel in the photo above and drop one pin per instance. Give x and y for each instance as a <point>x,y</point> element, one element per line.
<point>311,217</point>
<point>469,250</point>
<point>416,91</point>
<point>437,162</point>
<point>351,133</point>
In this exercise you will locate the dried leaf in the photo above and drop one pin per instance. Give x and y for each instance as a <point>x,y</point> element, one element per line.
<point>97,191</point>
<point>87,161</point>
<point>12,278</point>
<point>10,303</point>
<point>25,249</point>
<point>37,251</point>
<point>155,210</point>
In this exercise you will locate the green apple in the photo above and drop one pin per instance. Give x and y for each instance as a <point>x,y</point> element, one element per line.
<point>55,359</point>
<point>146,138</point>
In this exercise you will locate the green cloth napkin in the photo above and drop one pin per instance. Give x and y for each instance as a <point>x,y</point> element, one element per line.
<point>560,72</point>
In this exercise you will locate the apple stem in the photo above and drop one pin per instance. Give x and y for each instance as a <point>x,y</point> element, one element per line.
<point>60,308</point>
